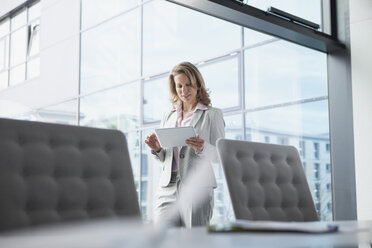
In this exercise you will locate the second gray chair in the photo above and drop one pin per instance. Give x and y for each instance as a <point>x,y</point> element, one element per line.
<point>266,181</point>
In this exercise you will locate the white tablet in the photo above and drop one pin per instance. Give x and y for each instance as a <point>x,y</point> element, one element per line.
<point>176,136</point>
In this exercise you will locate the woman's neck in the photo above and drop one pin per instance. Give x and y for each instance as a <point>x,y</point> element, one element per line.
<point>188,107</point>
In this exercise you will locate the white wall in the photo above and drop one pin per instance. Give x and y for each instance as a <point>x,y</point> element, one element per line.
<point>361,60</point>
<point>59,56</point>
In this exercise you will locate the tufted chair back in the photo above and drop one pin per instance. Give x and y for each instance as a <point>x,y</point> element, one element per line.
<point>52,173</point>
<point>266,181</point>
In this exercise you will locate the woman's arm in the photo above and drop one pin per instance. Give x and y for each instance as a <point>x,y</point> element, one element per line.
<point>217,130</point>
<point>160,155</point>
<point>217,127</point>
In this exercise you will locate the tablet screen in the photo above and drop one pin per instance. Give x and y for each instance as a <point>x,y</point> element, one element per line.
<point>176,136</point>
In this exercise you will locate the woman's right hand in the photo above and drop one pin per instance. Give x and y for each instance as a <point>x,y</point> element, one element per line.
<point>153,142</point>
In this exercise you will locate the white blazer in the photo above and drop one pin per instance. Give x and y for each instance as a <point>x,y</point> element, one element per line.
<point>209,124</point>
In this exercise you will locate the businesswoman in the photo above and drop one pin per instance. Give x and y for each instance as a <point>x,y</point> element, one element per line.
<point>190,107</point>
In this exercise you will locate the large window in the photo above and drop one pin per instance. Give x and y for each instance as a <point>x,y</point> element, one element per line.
<point>155,98</point>
<point>62,113</point>
<point>172,34</point>
<point>270,90</point>
<point>110,52</point>
<point>19,46</point>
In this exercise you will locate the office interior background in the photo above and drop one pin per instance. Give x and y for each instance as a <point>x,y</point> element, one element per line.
<point>104,63</point>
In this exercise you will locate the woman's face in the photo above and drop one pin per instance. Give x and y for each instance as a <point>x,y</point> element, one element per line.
<point>185,91</point>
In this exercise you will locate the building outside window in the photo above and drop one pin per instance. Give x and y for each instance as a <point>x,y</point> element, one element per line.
<point>317,191</point>
<point>302,148</point>
<point>143,191</point>
<point>327,147</point>
<point>283,141</point>
<point>316,171</point>
<point>19,46</point>
<point>329,206</point>
<point>316,150</point>
<point>328,168</point>
<point>144,166</point>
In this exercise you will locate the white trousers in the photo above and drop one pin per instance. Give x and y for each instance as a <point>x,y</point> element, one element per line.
<point>197,212</point>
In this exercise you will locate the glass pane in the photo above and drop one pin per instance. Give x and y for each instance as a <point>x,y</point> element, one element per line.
<point>222,210</point>
<point>95,11</point>
<point>17,74</point>
<point>62,113</point>
<point>4,27</point>
<point>156,99</point>
<point>3,80</point>
<point>299,125</point>
<point>282,72</point>
<point>34,11</point>
<point>302,119</point>
<point>151,178</point>
<point>134,150</point>
<point>173,34</point>
<point>222,204</point>
<point>309,10</point>
<point>116,108</point>
<point>222,79</point>
<point>7,39</point>
<point>2,54</point>
<point>33,46</point>
<point>254,38</point>
<point>33,68</point>
<point>233,127</point>
<point>18,41</point>
<point>16,110</point>
<point>18,20</point>
<point>111,53</point>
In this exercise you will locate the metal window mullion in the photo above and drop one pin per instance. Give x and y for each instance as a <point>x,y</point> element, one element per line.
<point>242,83</point>
<point>234,112</point>
<point>286,104</point>
<point>5,35</point>
<point>16,65</point>
<point>33,57</point>
<point>5,46</point>
<point>78,97</point>
<point>229,56</point>
<point>9,49</point>
<point>326,16</point>
<point>17,29</point>
<point>33,20</point>
<point>141,109</point>
<point>111,18</point>
<point>27,43</point>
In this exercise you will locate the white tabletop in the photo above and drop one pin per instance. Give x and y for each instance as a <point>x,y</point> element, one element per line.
<point>119,233</point>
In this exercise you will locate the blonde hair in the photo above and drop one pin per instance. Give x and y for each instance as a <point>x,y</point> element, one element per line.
<point>196,80</point>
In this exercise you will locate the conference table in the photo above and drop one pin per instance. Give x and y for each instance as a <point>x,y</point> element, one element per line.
<point>116,233</point>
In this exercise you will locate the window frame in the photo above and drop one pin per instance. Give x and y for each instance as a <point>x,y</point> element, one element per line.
<point>30,34</point>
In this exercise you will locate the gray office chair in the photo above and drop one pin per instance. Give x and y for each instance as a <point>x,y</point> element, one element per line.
<point>52,173</point>
<point>266,181</point>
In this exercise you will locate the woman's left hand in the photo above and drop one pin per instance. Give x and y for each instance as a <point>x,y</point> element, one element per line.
<point>196,143</point>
